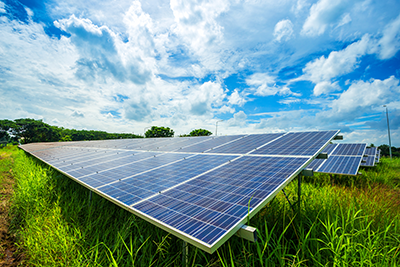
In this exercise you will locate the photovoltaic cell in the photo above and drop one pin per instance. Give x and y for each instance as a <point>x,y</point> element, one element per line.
<point>370,157</point>
<point>220,199</point>
<point>214,142</point>
<point>299,143</point>
<point>347,165</point>
<point>349,150</point>
<point>245,144</point>
<point>201,189</point>
<point>338,155</point>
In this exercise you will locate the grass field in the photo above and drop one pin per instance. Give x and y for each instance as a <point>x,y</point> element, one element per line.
<point>343,221</point>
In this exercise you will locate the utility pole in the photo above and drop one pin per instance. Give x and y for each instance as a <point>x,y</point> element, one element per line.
<point>216,127</point>
<point>390,143</point>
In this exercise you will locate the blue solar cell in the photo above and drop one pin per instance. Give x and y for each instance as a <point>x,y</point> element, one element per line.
<point>211,143</point>
<point>201,197</point>
<point>329,148</point>
<point>245,144</point>
<point>228,192</point>
<point>348,165</point>
<point>316,163</point>
<point>301,143</point>
<point>349,150</point>
<point>165,177</point>
<point>370,158</point>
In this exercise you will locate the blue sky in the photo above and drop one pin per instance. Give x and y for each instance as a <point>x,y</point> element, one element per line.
<point>260,66</point>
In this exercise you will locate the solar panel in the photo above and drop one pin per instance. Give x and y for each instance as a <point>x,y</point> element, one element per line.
<point>297,143</point>
<point>199,189</point>
<point>342,159</point>
<point>370,157</point>
<point>245,144</point>
<point>378,156</point>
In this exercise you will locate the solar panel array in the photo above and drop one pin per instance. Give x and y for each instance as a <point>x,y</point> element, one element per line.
<point>201,189</point>
<point>370,157</point>
<point>342,159</point>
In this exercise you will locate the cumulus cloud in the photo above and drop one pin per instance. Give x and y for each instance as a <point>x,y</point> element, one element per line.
<point>264,85</point>
<point>283,30</point>
<point>197,25</point>
<point>338,62</point>
<point>100,51</point>
<point>236,99</point>
<point>363,97</point>
<point>207,96</point>
<point>322,14</point>
<point>390,41</point>
<point>325,87</point>
<point>239,119</point>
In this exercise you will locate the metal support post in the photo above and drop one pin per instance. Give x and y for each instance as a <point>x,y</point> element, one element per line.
<point>299,193</point>
<point>288,201</point>
<point>90,197</point>
<point>185,254</point>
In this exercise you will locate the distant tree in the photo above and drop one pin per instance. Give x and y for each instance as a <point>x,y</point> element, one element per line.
<point>385,151</point>
<point>371,145</point>
<point>6,126</point>
<point>200,132</point>
<point>156,131</point>
<point>66,138</point>
<point>31,130</point>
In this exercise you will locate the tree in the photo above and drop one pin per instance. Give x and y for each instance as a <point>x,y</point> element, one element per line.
<point>31,130</point>
<point>200,132</point>
<point>6,127</point>
<point>156,131</point>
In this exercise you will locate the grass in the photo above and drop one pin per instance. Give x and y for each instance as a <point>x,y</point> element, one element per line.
<point>343,221</point>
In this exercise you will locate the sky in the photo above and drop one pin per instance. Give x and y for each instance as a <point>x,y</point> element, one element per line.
<point>250,66</point>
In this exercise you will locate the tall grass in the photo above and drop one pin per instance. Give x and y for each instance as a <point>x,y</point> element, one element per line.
<point>344,221</point>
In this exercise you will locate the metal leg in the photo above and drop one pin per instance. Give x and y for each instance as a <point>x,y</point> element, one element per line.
<point>90,197</point>
<point>288,200</point>
<point>185,254</point>
<point>299,194</point>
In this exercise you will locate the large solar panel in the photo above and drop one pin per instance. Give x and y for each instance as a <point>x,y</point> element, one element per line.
<point>199,189</point>
<point>370,156</point>
<point>342,159</point>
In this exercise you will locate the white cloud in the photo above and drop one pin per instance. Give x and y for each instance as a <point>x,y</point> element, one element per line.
<point>322,14</point>
<point>390,41</point>
<point>2,7</point>
<point>363,97</point>
<point>101,51</point>
<point>207,96</point>
<point>338,63</point>
<point>239,119</point>
<point>325,88</point>
<point>346,18</point>
<point>290,100</point>
<point>264,85</point>
<point>236,99</point>
<point>283,30</point>
<point>197,26</point>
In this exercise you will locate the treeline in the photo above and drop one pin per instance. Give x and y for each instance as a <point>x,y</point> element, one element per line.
<point>31,130</point>
<point>386,153</point>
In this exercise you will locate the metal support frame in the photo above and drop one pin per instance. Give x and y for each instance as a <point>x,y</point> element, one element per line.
<point>90,197</point>
<point>290,203</point>
<point>248,233</point>
<point>185,254</point>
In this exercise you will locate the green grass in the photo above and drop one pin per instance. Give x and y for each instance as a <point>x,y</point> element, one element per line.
<point>344,221</point>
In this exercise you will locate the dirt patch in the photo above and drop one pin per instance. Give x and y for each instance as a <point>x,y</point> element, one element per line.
<point>9,254</point>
